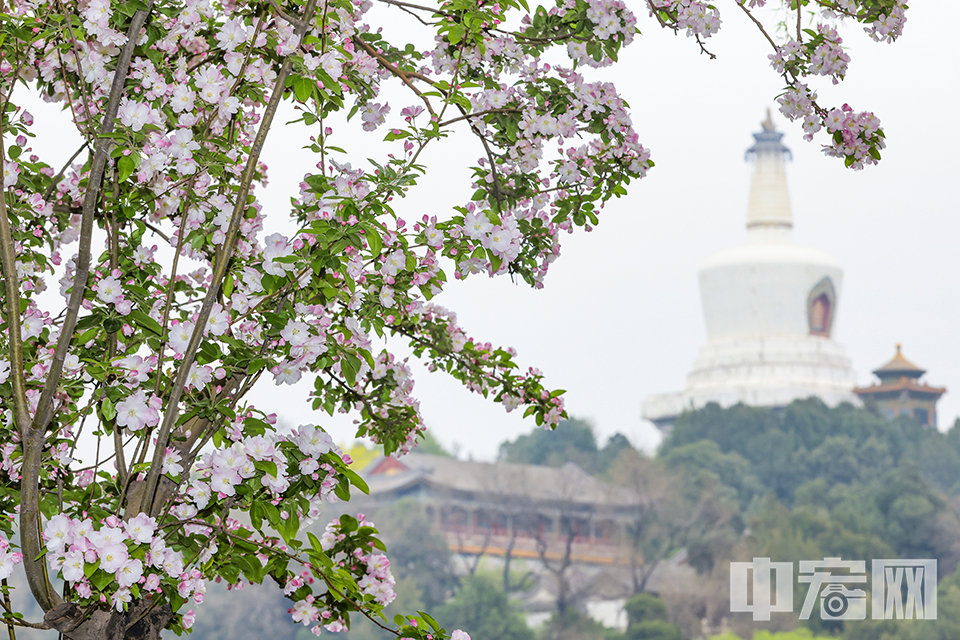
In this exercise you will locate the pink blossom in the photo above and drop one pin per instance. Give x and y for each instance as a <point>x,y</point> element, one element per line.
<point>135,114</point>
<point>373,115</point>
<point>109,290</point>
<point>141,528</point>
<point>112,556</point>
<point>188,619</point>
<point>135,412</point>
<point>11,173</point>
<point>72,568</point>
<point>129,573</point>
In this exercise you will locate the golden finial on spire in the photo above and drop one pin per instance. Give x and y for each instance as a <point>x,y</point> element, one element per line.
<point>768,123</point>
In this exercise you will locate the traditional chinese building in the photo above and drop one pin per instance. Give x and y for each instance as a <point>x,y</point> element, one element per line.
<point>770,308</point>
<point>520,509</point>
<point>545,521</point>
<point>900,392</point>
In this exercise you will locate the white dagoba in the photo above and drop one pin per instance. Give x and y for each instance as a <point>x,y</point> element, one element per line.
<point>769,307</point>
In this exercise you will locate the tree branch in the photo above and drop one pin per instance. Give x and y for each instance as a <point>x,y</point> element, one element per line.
<point>742,5</point>
<point>12,299</point>
<point>418,7</point>
<point>477,115</point>
<point>280,12</point>
<point>219,271</point>
<point>398,72</point>
<point>34,437</point>
<point>56,179</point>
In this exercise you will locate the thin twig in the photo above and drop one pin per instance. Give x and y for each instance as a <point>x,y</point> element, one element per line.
<point>398,72</point>
<point>477,114</point>
<point>703,49</point>
<point>6,605</point>
<point>418,7</point>
<point>59,176</point>
<point>171,282</point>
<point>157,231</point>
<point>799,29</point>
<point>742,5</point>
<point>283,14</point>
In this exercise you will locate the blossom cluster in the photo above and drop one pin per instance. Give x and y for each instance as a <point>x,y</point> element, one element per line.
<point>218,473</point>
<point>884,21</point>
<point>346,542</point>
<point>822,55</point>
<point>855,136</point>
<point>611,20</point>
<point>119,560</point>
<point>889,26</point>
<point>697,18</point>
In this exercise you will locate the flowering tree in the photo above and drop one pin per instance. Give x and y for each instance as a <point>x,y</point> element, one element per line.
<point>133,470</point>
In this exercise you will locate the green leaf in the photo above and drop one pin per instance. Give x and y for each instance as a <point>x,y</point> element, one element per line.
<point>101,579</point>
<point>396,134</point>
<point>112,325</point>
<point>90,569</point>
<point>230,573</point>
<point>146,322</point>
<point>315,543</point>
<point>356,480</point>
<point>495,260</point>
<point>348,523</point>
<point>348,370</point>
<point>291,527</point>
<point>256,516</point>
<point>429,620</point>
<point>328,82</point>
<point>269,467</point>
<point>127,166</point>
<point>373,239</point>
<point>88,335</point>
<point>107,409</point>
<point>303,88</point>
<point>273,514</point>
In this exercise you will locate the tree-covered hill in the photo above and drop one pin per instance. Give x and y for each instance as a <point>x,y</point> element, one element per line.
<point>808,441</point>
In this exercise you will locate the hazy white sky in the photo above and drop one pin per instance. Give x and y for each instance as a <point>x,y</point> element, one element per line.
<point>620,315</point>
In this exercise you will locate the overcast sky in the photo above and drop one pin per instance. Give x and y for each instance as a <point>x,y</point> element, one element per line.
<point>620,315</point>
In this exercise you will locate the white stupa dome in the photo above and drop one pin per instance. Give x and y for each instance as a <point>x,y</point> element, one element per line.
<point>769,308</point>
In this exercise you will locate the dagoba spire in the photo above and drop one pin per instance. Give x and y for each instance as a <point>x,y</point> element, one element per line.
<point>769,206</point>
<point>769,307</point>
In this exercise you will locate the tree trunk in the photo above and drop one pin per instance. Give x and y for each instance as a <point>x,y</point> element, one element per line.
<point>507,557</point>
<point>142,621</point>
